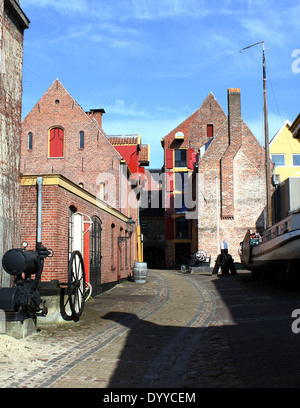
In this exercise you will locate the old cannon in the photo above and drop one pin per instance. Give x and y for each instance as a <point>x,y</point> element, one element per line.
<point>23,299</point>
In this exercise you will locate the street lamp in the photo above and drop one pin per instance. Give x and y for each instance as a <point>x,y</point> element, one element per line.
<point>130,225</point>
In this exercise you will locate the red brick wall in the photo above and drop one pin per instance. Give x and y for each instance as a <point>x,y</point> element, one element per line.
<point>55,217</point>
<point>231,177</point>
<point>239,170</point>
<point>97,162</point>
<point>194,128</point>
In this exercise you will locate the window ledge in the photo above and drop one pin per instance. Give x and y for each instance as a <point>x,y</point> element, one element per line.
<point>180,169</point>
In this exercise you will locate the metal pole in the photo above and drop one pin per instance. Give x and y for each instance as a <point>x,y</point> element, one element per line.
<point>218,230</point>
<point>266,131</point>
<point>266,127</point>
<point>39,183</point>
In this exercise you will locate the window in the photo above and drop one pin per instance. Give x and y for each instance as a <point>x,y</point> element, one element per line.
<point>278,160</point>
<point>182,228</point>
<point>81,140</point>
<point>56,142</point>
<point>296,159</point>
<point>95,242</point>
<point>179,204</point>
<point>180,181</point>
<point>180,158</point>
<point>210,130</point>
<point>30,137</point>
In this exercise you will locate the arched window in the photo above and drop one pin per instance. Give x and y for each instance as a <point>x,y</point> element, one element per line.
<point>81,140</point>
<point>56,142</point>
<point>30,140</point>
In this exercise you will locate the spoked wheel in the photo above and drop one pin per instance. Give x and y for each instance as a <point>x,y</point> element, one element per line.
<point>201,255</point>
<point>76,284</point>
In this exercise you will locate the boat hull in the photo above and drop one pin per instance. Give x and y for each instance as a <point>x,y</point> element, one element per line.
<point>279,254</point>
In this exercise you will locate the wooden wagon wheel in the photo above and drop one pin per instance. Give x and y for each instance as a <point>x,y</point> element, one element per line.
<point>76,284</point>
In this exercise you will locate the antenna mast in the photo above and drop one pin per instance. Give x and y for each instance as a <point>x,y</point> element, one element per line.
<point>266,131</point>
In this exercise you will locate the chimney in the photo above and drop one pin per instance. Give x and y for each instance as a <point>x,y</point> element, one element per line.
<point>234,117</point>
<point>234,144</point>
<point>97,114</point>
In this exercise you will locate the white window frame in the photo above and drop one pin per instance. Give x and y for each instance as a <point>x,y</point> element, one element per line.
<point>295,165</point>
<point>278,154</point>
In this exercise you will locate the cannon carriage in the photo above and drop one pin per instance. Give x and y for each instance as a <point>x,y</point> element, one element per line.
<point>23,300</point>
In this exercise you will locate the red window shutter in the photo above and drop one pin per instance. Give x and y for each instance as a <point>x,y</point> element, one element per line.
<point>170,160</point>
<point>169,203</point>
<point>191,157</point>
<point>195,158</point>
<point>56,143</point>
<point>170,181</point>
<point>169,228</point>
<point>210,131</point>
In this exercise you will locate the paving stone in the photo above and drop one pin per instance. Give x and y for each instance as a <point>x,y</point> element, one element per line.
<point>177,331</point>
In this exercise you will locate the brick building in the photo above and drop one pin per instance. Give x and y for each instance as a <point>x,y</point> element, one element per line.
<point>13,22</point>
<point>86,190</point>
<point>137,156</point>
<point>152,215</point>
<point>217,154</point>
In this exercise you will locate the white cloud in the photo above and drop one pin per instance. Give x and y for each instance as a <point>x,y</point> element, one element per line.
<point>150,9</point>
<point>64,6</point>
<point>265,30</point>
<point>120,108</point>
<point>166,109</point>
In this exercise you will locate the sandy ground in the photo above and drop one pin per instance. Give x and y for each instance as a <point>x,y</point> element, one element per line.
<point>20,356</point>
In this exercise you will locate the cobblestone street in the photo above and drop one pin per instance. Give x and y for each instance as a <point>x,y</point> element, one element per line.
<point>175,331</point>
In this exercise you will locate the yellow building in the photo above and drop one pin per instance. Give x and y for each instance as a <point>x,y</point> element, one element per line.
<point>285,153</point>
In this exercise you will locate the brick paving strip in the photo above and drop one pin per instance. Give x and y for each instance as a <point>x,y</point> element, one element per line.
<point>155,352</point>
<point>50,371</point>
<point>167,369</point>
<point>158,338</point>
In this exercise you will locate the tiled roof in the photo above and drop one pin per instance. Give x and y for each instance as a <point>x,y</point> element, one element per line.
<point>124,139</point>
<point>144,156</point>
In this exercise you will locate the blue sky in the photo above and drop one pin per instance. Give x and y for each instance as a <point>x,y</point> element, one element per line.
<point>151,63</point>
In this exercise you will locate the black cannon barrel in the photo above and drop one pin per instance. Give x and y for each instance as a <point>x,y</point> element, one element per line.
<point>18,261</point>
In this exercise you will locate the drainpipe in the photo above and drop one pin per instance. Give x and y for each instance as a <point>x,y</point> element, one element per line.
<point>121,186</point>
<point>217,211</point>
<point>39,183</point>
